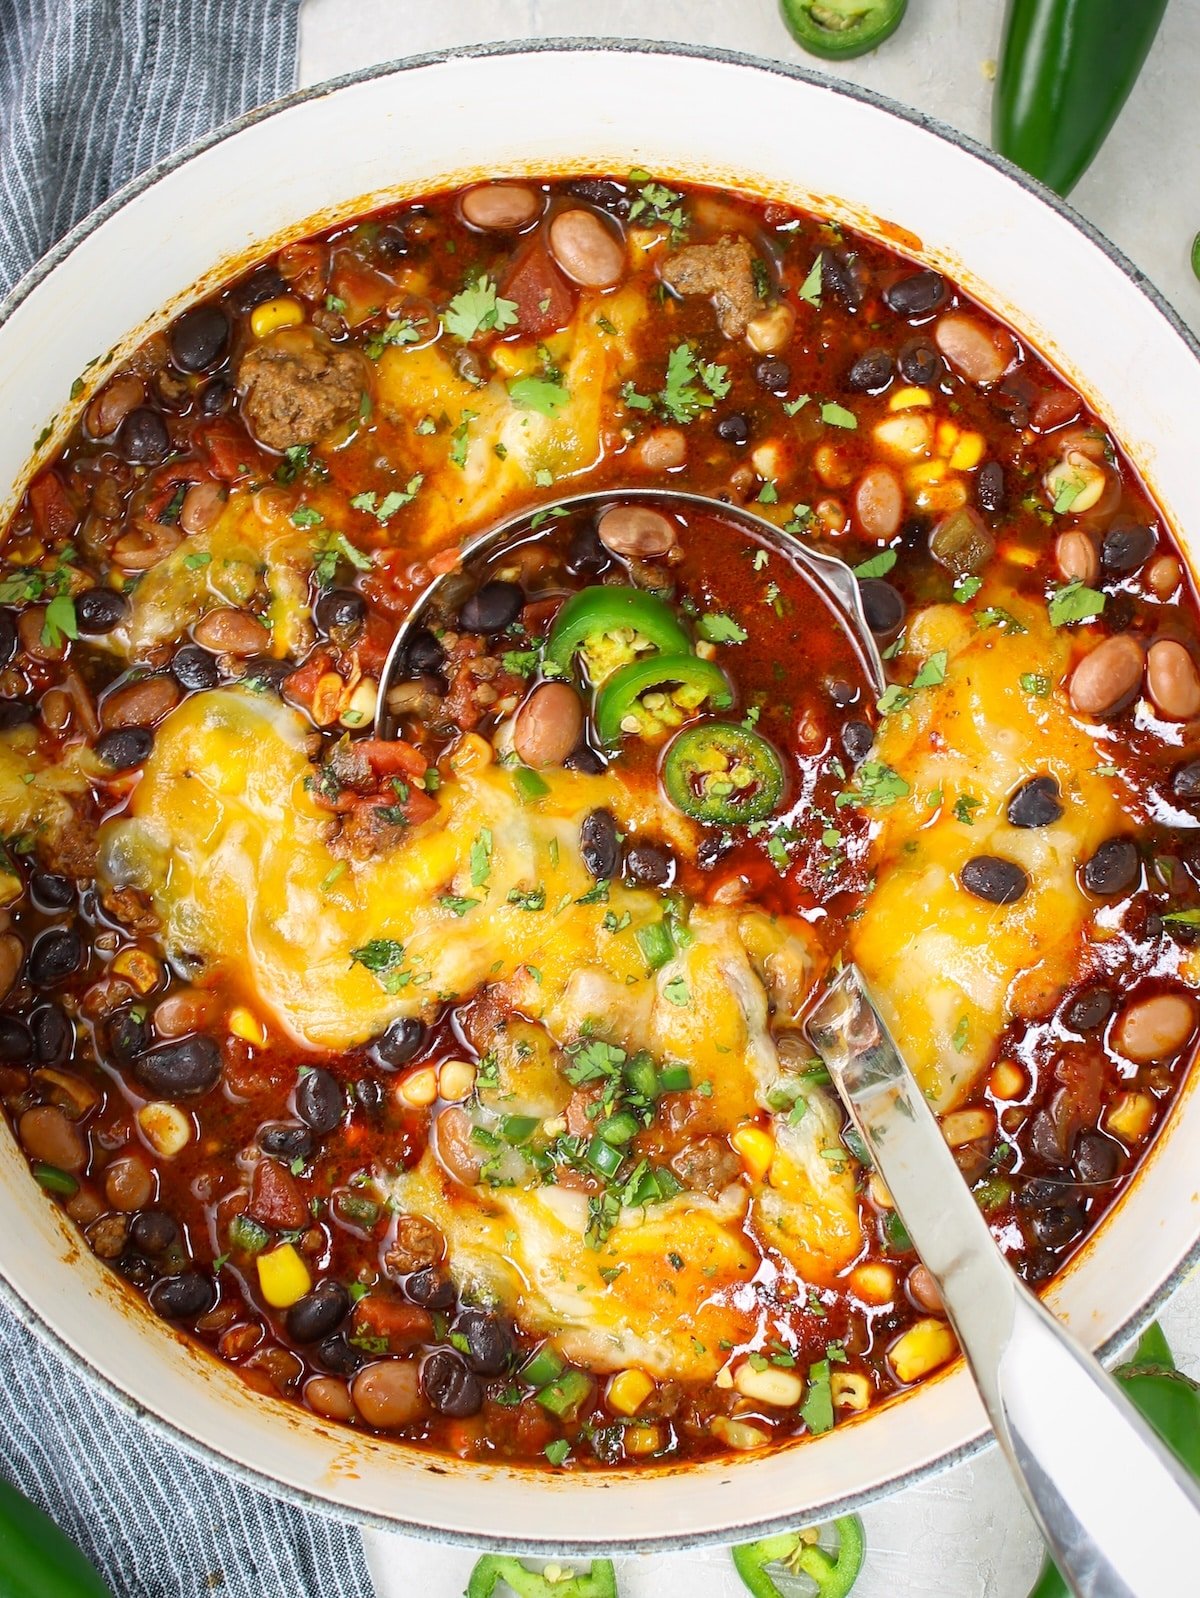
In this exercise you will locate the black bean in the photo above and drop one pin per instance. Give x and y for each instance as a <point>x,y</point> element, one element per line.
<point>430,1288</point>
<point>175,1070</point>
<point>183,1297</point>
<point>838,275</point>
<point>599,191</point>
<point>1185,780</point>
<point>1045,1139</point>
<point>142,437</point>
<point>199,338</point>
<point>99,610</point>
<point>1126,546</point>
<point>1089,1010</point>
<point>712,849</point>
<point>319,1101</point>
<point>51,891</point>
<point>368,1095</point>
<point>883,605</point>
<point>1036,803</point>
<point>56,955</point>
<point>194,668</point>
<point>265,674</point>
<point>287,1140</point>
<point>339,1355</point>
<point>8,636</point>
<point>919,362</point>
<point>773,374</point>
<point>857,738</point>
<point>318,1313</point>
<point>1096,1157</point>
<point>15,713</point>
<point>153,1231</point>
<point>216,397</point>
<point>262,285</point>
<point>989,487</point>
<point>990,877</point>
<point>449,1386</point>
<point>916,295</point>
<point>1113,869</point>
<point>599,844</point>
<point>492,608</point>
<point>585,759</point>
<point>650,865</point>
<point>734,428</point>
<point>136,1268</point>
<point>842,693</point>
<point>402,1040</point>
<point>16,1041</point>
<point>586,555</point>
<point>1055,1226</point>
<point>128,1036</point>
<point>340,614</point>
<point>423,654</point>
<point>489,1341</point>
<point>125,747</point>
<point>53,1034</point>
<point>871,372</point>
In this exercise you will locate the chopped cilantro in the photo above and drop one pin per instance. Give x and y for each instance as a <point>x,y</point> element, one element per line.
<point>481,858</point>
<point>967,589</point>
<point>1035,684</point>
<point>1074,602</point>
<point>878,565</point>
<point>964,809</point>
<point>541,394</point>
<point>306,516</point>
<point>384,509</point>
<point>835,415</point>
<point>810,289</point>
<point>383,957</point>
<point>400,331</point>
<point>478,309</point>
<point>332,548</point>
<point>721,629</point>
<point>59,621</point>
<point>878,784</point>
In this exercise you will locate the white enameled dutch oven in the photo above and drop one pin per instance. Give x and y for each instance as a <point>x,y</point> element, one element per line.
<point>558,108</point>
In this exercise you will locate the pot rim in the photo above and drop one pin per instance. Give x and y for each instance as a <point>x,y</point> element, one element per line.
<point>737,1529</point>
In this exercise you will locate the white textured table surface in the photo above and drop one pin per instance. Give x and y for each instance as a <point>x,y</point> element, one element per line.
<point>964,1534</point>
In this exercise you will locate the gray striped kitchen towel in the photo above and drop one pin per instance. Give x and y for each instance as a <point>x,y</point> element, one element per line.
<point>91,93</point>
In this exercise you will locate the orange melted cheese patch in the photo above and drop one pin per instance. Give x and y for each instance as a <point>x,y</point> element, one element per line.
<point>951,970</point>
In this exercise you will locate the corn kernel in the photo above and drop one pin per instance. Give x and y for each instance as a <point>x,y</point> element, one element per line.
<point>11,887</point>
<point>941,497</point>
<point>283,1276</point>
<point>471,753</point>
<point>1076,483</point>
<point>1007,1081</point>
<point>921,1349</point>
<point>834,470</point>
<point>273,314</point>
<point>244,1024</point>
<point>555,1126</point>
<point>361,708</point>
<point>782,1389</point>
<point>704,650</point>
<point>909,399</point>
<point>968,452</point>
<point>874,1284</point>
<point>768,460</point>
<point>737,1434</point>
<point>851,1390</point>
<point>967,1126</point>
<point>881,1193</point>
<point>1130,1117</point>
<point>925,472</point>
<point>723,1379</point>
<point>947,437</point>
<point>419,1088</point>
<point>456,1080</point>
<point>757,1149</point>
<point>641,1440</point>
<point>906,437</point>
<point>513,360</point>
<point>327,699</point>
<point>165,1127</point>
<point>628,1391</point>
<point>771,330</point>
<point>141,970</point>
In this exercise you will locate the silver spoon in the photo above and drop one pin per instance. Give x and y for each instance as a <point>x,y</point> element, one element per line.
<point>1120,1515</point>
<point>833,579</point>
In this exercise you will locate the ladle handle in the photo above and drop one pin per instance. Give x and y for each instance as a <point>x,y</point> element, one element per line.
<point>1120,1515</point>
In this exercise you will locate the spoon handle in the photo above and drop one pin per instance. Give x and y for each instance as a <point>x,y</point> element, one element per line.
<point>1120,1515</point>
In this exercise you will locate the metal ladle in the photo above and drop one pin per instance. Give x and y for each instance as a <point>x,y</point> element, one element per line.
<point>1119,1513</point>
<point>832,578</point>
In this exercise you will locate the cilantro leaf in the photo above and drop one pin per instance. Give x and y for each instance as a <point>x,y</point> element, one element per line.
<point>383,957</point>
<point>540,394</point>
<point>59,621</point>
<point>1074,602</point>
<point>835,415</point>
<point>478,309</point>
<point>878,565</point>
<point>721,629</point>
<point>932,672</point>
<point>810,289</point>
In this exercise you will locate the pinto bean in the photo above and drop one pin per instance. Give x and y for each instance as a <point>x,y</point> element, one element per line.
<point>202,504</point>
<point>977,352</point>
<point>388,1393</point>
<point>1155,1028</point>
<point>460,1155</point>
<point>1105,680</point>
<point>48,1135</point>
<point>189,1010</point>
<point>1172,680</point>
<point>637,532</point>
<point>879,502</point>
<point>128,1183</point>
<point>231,632</point>
<point>329,1397</point>
<point>587,249</point>
<point>1076,558</point>
<point>140,704</point>
<point>662,450</point>
<point>500,207</point>
<point>143,547</point>
<point>548,725</point>
<point>30,630</point>
<point>113,404</point>
<point>923,1291</point>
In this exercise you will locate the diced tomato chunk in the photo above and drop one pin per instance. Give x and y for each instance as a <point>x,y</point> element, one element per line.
<point>54,516</point>
<point>275,1199</point>
<point>392,756</point>
<point>404,1326</point>
<point>231,452</point>
<point>544,300</point>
